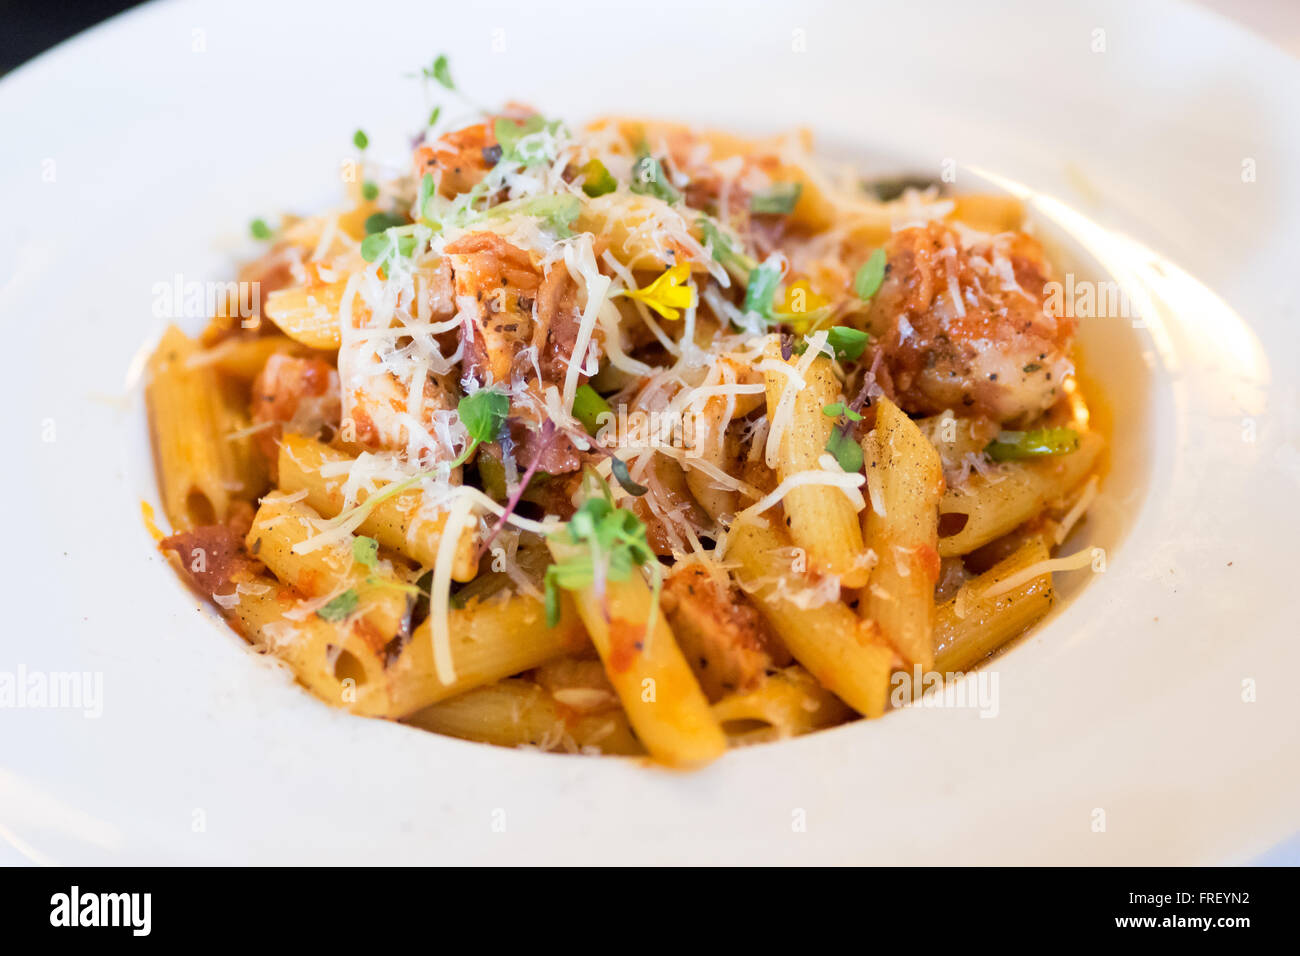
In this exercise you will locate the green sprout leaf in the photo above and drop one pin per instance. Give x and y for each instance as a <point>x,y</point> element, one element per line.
<point>360,140</point>
<point>778,200</point>
<point>260,229</point>
<point>837,409</point>
<point>382,245</point>
<point>558,211</point>
<point>724,250</point>
<point>517,142</point>
<point>762,287</point>
<point>339,606</point>
<point>868,279</point>
<point>381,221</point>
<point>616,545</point>
<point>847,342</point>
<point>483,414</point>
<point>649,179</point>
<point>365,551</point>
<point>441,72</point>
<point>845,450</point>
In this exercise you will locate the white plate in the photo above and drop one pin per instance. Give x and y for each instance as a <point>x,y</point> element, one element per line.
<point>165,131</point>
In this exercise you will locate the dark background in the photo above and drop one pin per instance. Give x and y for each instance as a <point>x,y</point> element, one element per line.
<point>30,27</point>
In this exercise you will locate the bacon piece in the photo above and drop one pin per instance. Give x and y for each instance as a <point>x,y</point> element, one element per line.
<point>497,283</point>
<point>213,557</point>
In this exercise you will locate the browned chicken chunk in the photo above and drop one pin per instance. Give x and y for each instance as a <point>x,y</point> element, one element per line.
<point>726,642</point>
<point>964,325</point>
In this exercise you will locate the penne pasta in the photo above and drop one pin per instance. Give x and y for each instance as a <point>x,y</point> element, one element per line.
<point>401,522</point>
<point>518,713</point>
<point>340,662</point>
<point>823,522</point>
<point>203,466</point>
<point>994,504</point>
<point>840,650</point>
<point>787,703</point>
<point>243,359</point>
<point>969,628</point>
<point>308,314</point>
<point>989,213</point>
<point>490,639</point>
<point>282,522</point>
<point>901,525</point>
<point>664,703</point>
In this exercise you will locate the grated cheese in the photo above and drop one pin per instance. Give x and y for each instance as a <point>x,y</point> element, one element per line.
<point>458,518</point>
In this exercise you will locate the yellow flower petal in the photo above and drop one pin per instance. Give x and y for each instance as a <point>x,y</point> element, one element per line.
<point>667,294</point>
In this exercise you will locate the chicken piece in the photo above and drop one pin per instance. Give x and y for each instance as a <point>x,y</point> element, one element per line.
<point>497,283</point>
<point>379,408</point>
<point>558,318</point>
<point>963,324</point>
<point>459,160</point>
<point>300,394</point>
<point>725,641</point>
<point>668,509</point>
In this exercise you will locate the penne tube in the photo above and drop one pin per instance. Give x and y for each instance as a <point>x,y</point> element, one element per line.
<point>243,359</point>
<point>282,522</point>
<point>969,629</point>
<point>821,521</point>
<point>787,703</point>
<point>996,503</point>
<point>308,314</point>
<point>193,414</point>
<point>901,525</point>
<point>401,523</point>
<point>989,213</point>
<point>664,703</point>
<point>490,639</point>
<point>519,713</point>
<point>340,662</point>
<point>839,649</point>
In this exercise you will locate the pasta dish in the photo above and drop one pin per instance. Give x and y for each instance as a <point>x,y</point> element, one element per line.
<point>630,438</point>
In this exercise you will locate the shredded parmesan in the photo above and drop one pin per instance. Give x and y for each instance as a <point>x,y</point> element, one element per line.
<point>795,379</point>
<point>803,479</point>
<point>458,518</point>
<point>1072,562</point>
<point>1081,507</point>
